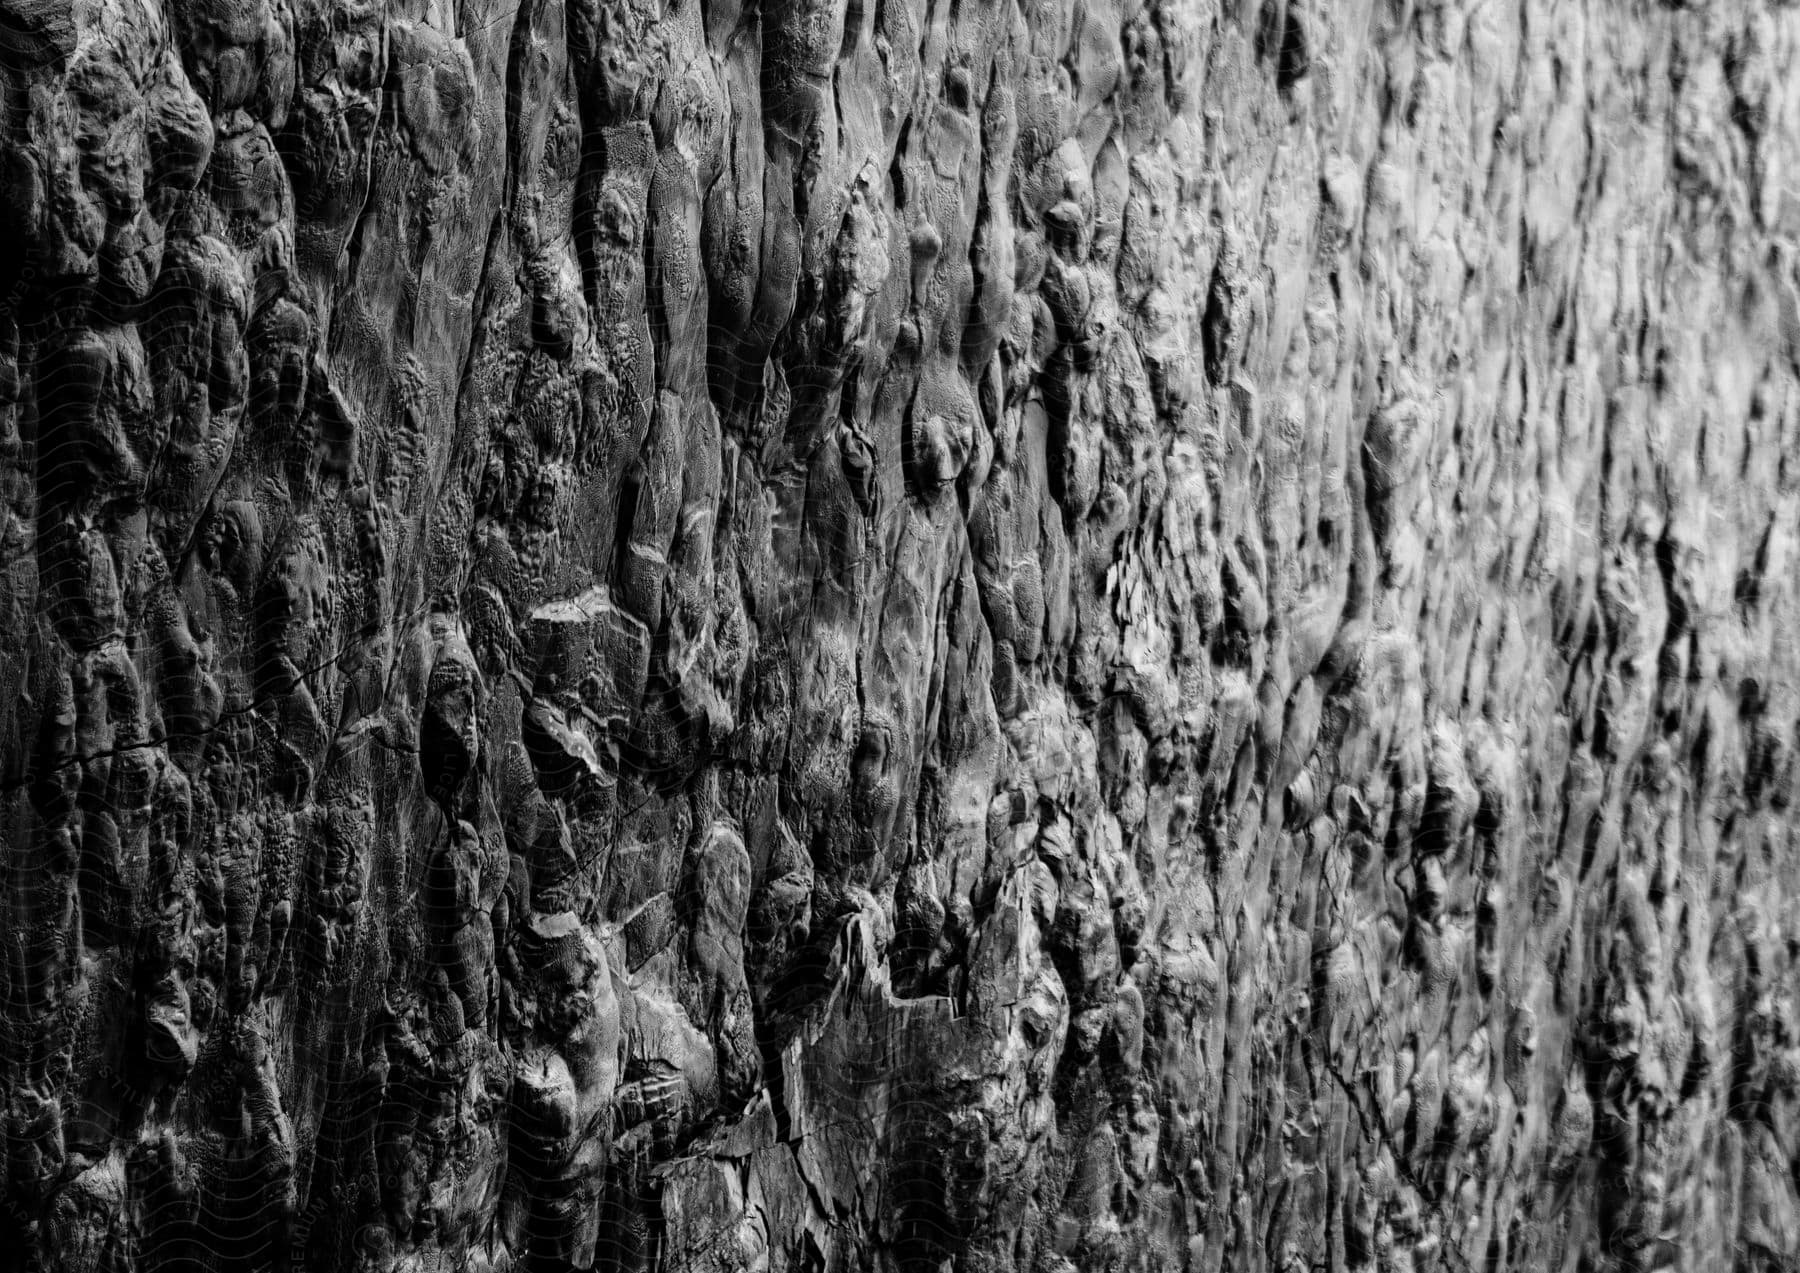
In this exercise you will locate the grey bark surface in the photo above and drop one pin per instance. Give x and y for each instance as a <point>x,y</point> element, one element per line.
<point>933,634</point>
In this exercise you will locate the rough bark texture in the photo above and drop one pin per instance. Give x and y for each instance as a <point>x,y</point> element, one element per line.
<point>929,634</point>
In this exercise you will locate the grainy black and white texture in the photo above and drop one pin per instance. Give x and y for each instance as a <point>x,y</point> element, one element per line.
<point>1006,636</point>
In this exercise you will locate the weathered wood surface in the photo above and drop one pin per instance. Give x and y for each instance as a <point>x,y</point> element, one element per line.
<point>915,635</point>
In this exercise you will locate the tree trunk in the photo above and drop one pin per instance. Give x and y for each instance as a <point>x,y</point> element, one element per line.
<point>912,636</point>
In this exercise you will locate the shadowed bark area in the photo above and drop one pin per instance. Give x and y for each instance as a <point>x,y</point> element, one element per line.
<point>899,636</point>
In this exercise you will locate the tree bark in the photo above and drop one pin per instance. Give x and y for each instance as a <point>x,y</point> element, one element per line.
<point>936,634</point>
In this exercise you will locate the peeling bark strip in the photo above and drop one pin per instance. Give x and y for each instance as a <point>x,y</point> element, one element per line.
<point>899,635</point>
